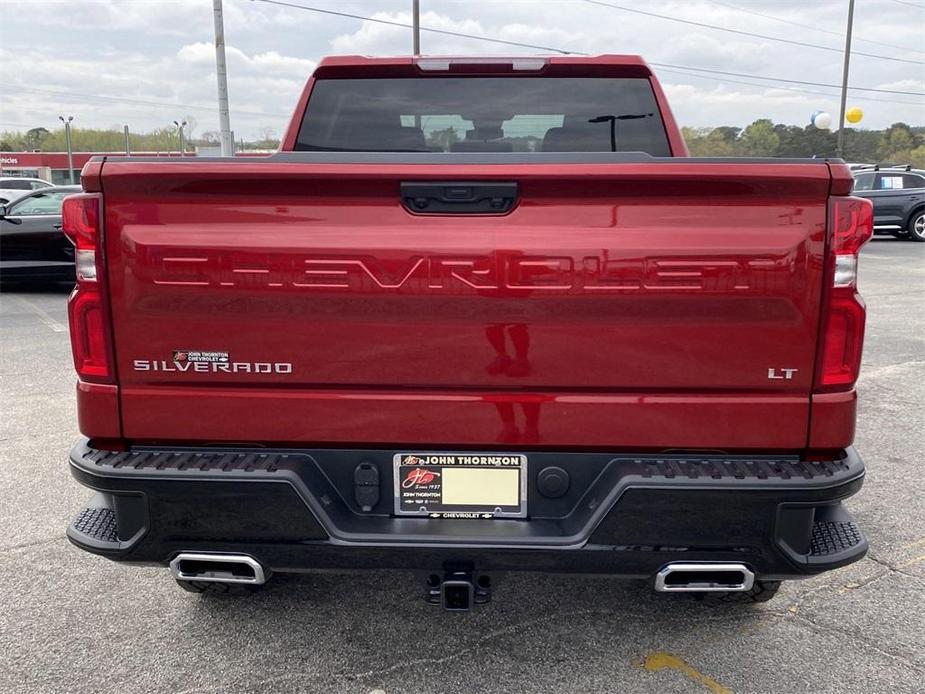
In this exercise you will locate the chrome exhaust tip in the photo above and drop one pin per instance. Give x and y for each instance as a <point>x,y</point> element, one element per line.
<point>725,577</point>
<point>217,568</point>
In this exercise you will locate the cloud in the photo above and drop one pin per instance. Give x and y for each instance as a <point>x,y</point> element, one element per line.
<point>263,88</point>
<point>270,63</point>
<point>152,17</point>
<point>200,53</point>
<point>736,55</point>
<point>699,106</point>
<point>904,86</point>
<point>161,51</point>
<point>381,39</point>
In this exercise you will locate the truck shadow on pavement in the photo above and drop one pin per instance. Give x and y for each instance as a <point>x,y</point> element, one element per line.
<point>376,629</point>
<point>59,288</point>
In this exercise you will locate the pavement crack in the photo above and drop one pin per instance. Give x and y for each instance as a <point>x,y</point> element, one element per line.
<point>453,656</point>
<point>795,607</point>
<point>378,672</point>
<point>851,586</point>
<point>827,629</point>
<point>891,568</point>
<point>848,587</point>
<point>34,543</point>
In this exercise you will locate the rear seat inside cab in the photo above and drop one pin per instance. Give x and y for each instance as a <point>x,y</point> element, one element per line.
<point>579,134</point>
<point>366,131</point>
<point>404,138</point>
<point>483,139</point>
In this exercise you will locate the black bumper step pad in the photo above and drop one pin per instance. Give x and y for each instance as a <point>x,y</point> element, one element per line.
<point>97,523</point>
<point>671,468</point>
<point>740,469</point>
<point>218,461</point>
<point>834,537</point>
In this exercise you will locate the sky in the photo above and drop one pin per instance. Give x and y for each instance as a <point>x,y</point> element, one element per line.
<point>146,63</point>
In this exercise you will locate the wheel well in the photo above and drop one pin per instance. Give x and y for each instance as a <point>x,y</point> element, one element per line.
<point>918,209</point>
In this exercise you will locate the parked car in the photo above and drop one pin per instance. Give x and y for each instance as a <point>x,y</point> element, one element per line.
<point>386,348</point>
<point>898,195</point>
<point>12,188</point>
<point>32,247</point>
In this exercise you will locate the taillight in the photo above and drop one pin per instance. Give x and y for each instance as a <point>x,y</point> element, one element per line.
<point>80,221</point>
<point>87,309</point>
<point>852,225</point>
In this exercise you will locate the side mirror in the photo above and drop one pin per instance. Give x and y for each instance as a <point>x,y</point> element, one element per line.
<point>4,211</point>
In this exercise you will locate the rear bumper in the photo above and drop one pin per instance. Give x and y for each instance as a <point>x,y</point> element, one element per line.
<point>294,510</point>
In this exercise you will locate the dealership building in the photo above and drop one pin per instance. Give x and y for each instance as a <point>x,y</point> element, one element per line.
<point>52,166</point>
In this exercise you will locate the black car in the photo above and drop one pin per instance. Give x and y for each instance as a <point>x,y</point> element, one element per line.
<point>898,195</point>
<point>32,246</point>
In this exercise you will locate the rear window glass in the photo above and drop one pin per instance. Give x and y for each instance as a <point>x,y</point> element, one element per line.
<point>41,203</point>
<point>864,181</point>
<point>13,184</point>
<point>913,181</point>
<point>483,114</point>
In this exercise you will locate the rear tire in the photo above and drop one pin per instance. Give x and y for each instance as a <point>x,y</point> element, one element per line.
<point>761,591</point>
<point>218,588</point>
<point>917,227</point>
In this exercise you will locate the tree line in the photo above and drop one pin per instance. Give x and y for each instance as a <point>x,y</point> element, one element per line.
<point>898,144</point>
<point>113,139</point>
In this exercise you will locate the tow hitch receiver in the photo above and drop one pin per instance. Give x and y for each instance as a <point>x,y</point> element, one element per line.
<point>458,589</point>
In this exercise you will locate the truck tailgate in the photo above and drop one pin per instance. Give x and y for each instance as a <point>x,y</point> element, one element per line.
<point>670,304</point>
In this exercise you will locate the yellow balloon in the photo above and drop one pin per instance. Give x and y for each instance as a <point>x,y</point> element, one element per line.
<point>854,115</point>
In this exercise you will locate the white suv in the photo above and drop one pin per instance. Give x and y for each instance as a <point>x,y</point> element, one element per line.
<point>12,188</point>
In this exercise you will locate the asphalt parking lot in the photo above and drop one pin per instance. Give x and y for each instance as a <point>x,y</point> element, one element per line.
<point>72,622</point>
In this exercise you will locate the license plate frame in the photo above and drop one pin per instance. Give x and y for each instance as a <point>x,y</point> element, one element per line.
<point>464,485</point>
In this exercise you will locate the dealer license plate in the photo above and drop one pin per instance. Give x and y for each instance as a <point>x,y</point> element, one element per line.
<point>461,485</point>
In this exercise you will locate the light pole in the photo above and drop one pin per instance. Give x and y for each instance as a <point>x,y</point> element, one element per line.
<point>840,144</point>
<point>221,73</point>
<point>416,41</point>
<point>180,125</point>
<point>70,154</point>
<point>416,26</point>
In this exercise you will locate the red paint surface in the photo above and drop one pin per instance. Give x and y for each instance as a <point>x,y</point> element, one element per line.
<point>98,410</point>
<point>619,280</point>
<point>833,419</point>
<point>476,419</point>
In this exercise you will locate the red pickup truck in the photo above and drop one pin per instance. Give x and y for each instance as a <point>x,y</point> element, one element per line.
<point>476,316</point>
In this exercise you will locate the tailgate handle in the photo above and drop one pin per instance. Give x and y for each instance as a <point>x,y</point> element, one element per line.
<point>458,197</point>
